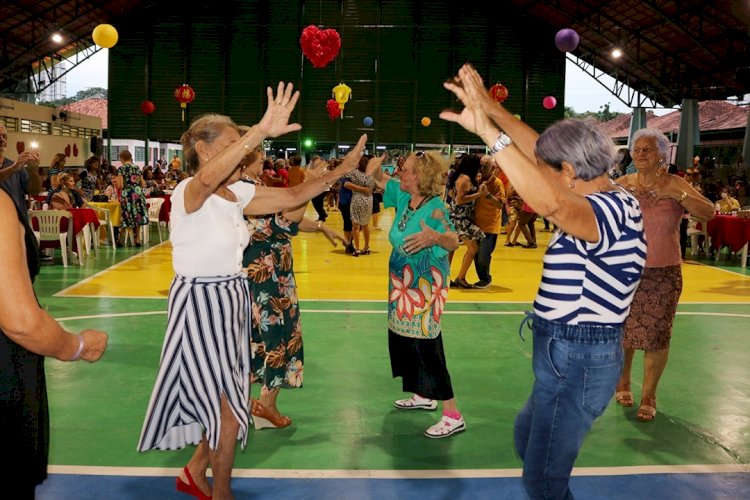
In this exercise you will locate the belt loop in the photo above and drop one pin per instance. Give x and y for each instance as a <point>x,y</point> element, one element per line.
<point>528,318</point>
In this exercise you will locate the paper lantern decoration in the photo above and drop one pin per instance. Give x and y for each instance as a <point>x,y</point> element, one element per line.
<point>426,121</point>
<point>184,95</point>
<point>342,93</point>
<point>320,46</point>
<point>499,92</point>
<point>147,107</point>
<point>333,109</point>
<point>549,102</point>
<point>367,121</point>
<point>105,36</point>
<point>567,40</point>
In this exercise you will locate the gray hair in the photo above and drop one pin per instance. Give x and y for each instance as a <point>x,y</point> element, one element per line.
<point>207,128</point>
<point>653,133</point>
<point>579,143</point>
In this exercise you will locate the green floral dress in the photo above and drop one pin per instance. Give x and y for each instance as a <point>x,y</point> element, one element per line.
<point>276,337</point>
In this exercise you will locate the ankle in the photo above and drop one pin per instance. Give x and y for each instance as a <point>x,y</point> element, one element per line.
<point>454,414</point>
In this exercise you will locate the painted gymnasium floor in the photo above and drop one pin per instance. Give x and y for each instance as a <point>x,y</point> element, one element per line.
<point>347,440</point>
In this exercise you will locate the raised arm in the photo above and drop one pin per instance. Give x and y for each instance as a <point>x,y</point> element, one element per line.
<point>275,122</point>
<point>374,169</point>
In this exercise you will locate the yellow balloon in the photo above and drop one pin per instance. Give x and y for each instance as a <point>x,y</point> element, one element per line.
<point>105,36</point>
<point>426,121</point>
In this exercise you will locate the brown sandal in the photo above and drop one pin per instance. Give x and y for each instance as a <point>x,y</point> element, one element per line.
<point>647,411</point>
<point>623,396</point>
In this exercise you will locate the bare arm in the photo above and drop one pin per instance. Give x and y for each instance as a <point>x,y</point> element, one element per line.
<point>463,186</point>
<point>691,200</point>
<point>569,211</point>
<point>428,237</point>
<point>374,169</point>
<point>21,318</point>
<point>271,200</point>
<point>275,122</point>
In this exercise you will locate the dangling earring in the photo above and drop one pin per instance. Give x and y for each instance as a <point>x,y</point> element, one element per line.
<point>572,183</point>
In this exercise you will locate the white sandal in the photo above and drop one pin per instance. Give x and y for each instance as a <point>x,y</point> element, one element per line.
<point>413,403</point>
<point>447,426</point>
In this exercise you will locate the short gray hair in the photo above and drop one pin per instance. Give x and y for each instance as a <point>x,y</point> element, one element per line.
<point>581,144</point>
<point>206,128</point>
<point>653,133</point>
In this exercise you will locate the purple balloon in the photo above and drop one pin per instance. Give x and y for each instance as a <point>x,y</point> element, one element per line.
<point>567,40</point>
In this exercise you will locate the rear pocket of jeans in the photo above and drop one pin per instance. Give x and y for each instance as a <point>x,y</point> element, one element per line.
<point>599,386</point>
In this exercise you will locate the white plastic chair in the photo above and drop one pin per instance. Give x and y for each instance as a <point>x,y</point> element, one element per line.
<point>694,234</point>
<point>154,207</point>
<point>49,224</point>
<point>104,219</point>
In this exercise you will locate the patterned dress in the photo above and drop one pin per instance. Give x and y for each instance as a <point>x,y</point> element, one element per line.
<point>462,217</point>
<point>133,200</point>
<point>361,207</point>
<point>276,337</point>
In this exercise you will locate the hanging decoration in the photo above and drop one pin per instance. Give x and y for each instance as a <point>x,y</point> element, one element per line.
<point>567,40</point>
<point>333,109</point>
<point>320,46</point>
<point>184,95</point>
<point>342,93</point>
<point>549,102</point>
<point>367,122</point>
<point>147,107</point>
<point>105,36</point>
<point>426,121</point>
<point>499,92</point>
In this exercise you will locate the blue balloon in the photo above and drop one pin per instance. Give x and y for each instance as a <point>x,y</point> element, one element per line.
<point>367,121</point>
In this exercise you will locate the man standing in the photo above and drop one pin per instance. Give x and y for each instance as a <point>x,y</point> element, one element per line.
<point>20,177</point>
<point>487,214</point>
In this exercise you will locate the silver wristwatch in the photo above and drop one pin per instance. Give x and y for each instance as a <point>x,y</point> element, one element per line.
<point>502,142</point>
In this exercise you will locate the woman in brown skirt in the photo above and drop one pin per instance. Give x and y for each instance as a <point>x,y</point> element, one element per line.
<point>663,197</point>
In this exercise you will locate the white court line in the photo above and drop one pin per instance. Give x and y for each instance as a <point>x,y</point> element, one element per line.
<point>367,311</point>
<point>402,474</point>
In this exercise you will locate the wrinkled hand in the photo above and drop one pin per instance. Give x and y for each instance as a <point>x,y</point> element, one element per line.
<point>95,342</point>
<point>316,169</point>
<point>427,237</point>
<point>351,160</point>
<point>275,121</point>
<point>469,89</point>
<point>374,166</point>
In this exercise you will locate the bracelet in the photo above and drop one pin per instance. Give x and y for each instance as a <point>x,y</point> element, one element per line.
<point>682,197</point>
<point>502,142</point>
<point>79,351</point>
<point>327,184</point>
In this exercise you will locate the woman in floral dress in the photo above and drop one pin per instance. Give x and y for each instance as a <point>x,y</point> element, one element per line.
<point>276,337</point>
<point>134,212</point>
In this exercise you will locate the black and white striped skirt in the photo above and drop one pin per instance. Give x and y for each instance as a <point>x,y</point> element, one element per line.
<point>205,354</point>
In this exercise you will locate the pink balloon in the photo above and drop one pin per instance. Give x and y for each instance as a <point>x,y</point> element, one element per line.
<point>549,102</point>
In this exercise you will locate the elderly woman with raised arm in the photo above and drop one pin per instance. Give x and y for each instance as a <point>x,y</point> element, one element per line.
<point>202,391</point>
<point>419,274</point>
<point>592,268</point>
<point>664,198</point>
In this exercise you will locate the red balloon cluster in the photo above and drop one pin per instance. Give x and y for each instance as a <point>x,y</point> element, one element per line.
<point>499,92</point>
<point>320,46</point>
<point>147,107</point>
<point>333,109</point>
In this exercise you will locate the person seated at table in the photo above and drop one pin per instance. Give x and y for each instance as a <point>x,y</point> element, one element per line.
<point>67,186</point>
<point>727,202</point>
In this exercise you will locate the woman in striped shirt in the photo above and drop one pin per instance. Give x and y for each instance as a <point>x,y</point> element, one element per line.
<point>592,268</point>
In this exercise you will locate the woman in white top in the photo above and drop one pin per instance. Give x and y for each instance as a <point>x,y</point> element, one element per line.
<point>202,394</point>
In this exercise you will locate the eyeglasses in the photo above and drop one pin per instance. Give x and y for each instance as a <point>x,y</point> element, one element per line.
<point>420,154</point>
<point>643,150</point>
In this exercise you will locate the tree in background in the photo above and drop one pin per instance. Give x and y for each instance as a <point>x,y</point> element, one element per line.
<point>604,114</point>
<point>80,96</point>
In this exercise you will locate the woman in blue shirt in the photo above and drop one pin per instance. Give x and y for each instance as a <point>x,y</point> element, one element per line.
<point>418,269</point>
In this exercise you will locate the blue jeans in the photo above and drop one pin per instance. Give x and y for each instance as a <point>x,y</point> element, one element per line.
<point>484,256</point>
<point>576,369</point>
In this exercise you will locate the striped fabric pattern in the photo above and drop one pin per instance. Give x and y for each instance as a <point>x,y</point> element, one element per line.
<point>594,283</point>
<point>205,354</point>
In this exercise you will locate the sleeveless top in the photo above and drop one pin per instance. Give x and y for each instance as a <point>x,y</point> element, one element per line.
<point>24,413</point>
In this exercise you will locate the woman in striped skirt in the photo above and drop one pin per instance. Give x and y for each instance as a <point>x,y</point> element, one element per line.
<point>202,391</point>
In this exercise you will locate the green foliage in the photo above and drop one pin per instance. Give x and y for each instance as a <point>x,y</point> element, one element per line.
<point>80,96</point>
<point>604,114</point>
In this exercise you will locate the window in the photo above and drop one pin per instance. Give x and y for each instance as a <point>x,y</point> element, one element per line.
<point>140,153</point>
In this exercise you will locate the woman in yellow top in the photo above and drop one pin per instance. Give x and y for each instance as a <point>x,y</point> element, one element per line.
<point>727,203</point>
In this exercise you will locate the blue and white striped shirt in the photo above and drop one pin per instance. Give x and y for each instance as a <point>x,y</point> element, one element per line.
<point>594,283</point>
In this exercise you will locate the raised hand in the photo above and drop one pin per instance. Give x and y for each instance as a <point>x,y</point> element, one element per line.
<point>469,89</point>
<point>316,169</point>
<point>275,121</point>
<point>351,160</point>
<point>374,166</point>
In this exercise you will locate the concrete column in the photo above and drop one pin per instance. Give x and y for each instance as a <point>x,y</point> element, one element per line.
<point>689,134</point>
<point>637,122</point>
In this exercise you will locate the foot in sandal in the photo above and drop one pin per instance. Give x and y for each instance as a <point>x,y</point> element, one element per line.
<point>623,396</point>
<point>647,411</point>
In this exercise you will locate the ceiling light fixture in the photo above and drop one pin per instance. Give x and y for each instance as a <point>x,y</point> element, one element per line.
<point>616,53</point>
<point>57,37</point>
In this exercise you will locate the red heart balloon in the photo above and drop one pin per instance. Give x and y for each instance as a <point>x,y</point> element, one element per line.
<point>20,147</point>
<point>67,150</point>
<point>75,149</point>
<point>320,46</point>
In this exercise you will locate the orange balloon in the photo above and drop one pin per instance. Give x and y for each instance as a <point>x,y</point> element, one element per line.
<point>426,121</point>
